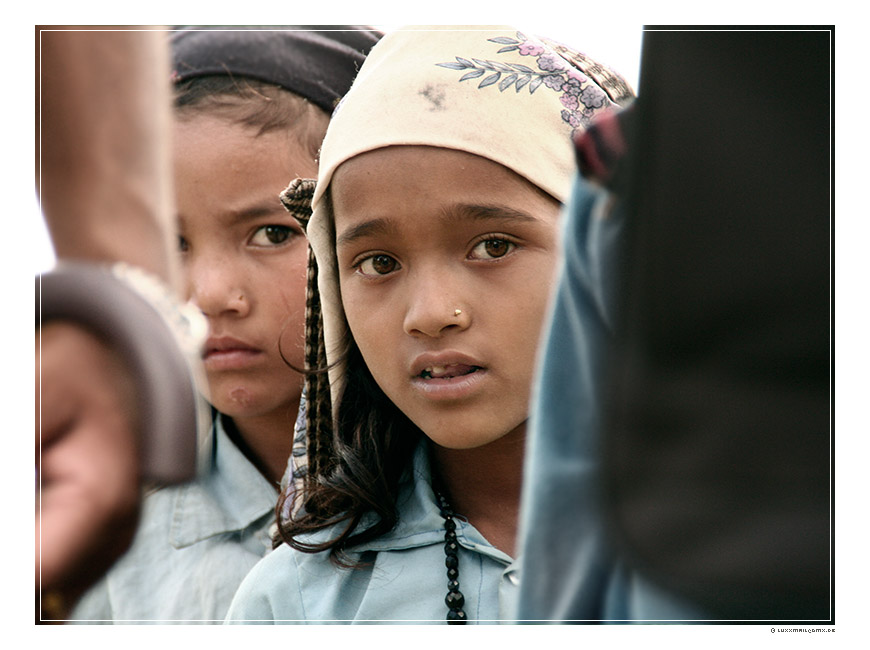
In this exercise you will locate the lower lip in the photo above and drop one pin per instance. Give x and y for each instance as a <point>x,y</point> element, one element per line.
<point>230,359</point>
<point>453,388</point>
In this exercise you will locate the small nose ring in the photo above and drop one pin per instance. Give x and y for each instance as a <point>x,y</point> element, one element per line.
<point>457,312</point>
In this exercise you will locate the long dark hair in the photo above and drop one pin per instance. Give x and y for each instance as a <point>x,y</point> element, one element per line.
<point>371,448</point>
<point>354,462</point>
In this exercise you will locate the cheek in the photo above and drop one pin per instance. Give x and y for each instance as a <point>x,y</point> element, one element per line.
<point>368,323</point>
<point>524,314</point>
<point>289,301</point>
<point>368,331</point>
<point>294,286</point>
<point>288,274</point>
<point>360,311</point>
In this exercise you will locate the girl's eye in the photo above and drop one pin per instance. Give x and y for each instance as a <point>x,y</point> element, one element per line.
<point>183,246</point>
<point>491,249</point>
<point>272,235</point>
<point>378,265</point>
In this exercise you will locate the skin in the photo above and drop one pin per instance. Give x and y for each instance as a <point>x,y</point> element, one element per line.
<point>86,459</point>
<point>105,192</point>
<point>103,150</point>
<point>244,265</point>
<point>417,253</point>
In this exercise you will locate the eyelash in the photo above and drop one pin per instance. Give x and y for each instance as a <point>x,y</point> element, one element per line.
<point>287,231</point>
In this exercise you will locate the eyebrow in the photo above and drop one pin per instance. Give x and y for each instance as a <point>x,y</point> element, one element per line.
<point>256,211</point>
<point>462,212</point>
<point>378,226</point>
<point>452,214</point>
<point>236,216</point>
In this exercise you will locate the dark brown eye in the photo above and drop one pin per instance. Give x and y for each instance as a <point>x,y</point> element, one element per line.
<point>378,265</point>
<point>491,249</point>
<point>272,235</point>
<point>496,247</point>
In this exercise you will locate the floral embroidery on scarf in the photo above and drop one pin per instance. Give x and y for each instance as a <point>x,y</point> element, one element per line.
<point>554,72</point>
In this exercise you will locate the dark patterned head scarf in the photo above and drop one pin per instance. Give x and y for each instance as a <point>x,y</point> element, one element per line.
<point>318,63</point>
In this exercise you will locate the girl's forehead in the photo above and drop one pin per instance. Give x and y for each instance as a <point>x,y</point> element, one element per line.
<point>431,190</point>
<point>392,172</point>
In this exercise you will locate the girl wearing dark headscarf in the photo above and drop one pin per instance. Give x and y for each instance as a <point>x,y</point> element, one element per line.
<point>252,107</point>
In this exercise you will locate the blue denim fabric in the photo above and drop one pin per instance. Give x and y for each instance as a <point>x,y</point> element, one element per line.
<point>568,572</point>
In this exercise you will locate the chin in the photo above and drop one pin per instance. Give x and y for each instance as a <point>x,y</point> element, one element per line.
<point>239,403</point>
<point>464,429</point>
<point>459,438</point>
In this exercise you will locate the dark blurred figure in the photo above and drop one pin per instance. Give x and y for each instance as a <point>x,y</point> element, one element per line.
<point>681,452</point>
<point>717,435</point>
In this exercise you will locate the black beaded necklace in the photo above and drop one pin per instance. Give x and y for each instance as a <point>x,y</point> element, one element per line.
<point>455,600</point>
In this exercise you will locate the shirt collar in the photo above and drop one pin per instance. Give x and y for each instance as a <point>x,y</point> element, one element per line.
<point>420,521</point>
<point>232,497</point>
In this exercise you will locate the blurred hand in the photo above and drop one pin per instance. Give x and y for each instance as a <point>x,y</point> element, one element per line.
<point>87,463</point>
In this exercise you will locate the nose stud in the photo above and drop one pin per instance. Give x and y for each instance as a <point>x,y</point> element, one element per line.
<point>457,312</point>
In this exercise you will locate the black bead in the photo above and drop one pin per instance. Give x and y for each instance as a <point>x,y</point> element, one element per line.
<point>454,600</point>
<point>456,617</point>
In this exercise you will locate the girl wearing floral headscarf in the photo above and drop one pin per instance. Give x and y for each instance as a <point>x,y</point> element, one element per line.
<point>435,236</point>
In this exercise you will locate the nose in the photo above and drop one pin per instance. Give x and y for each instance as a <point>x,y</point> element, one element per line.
<point>215,287</point>
<point>435,305</point>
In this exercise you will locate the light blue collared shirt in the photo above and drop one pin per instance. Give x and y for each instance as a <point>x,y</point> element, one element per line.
<point>405,580</point>
<point>194,545</point>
